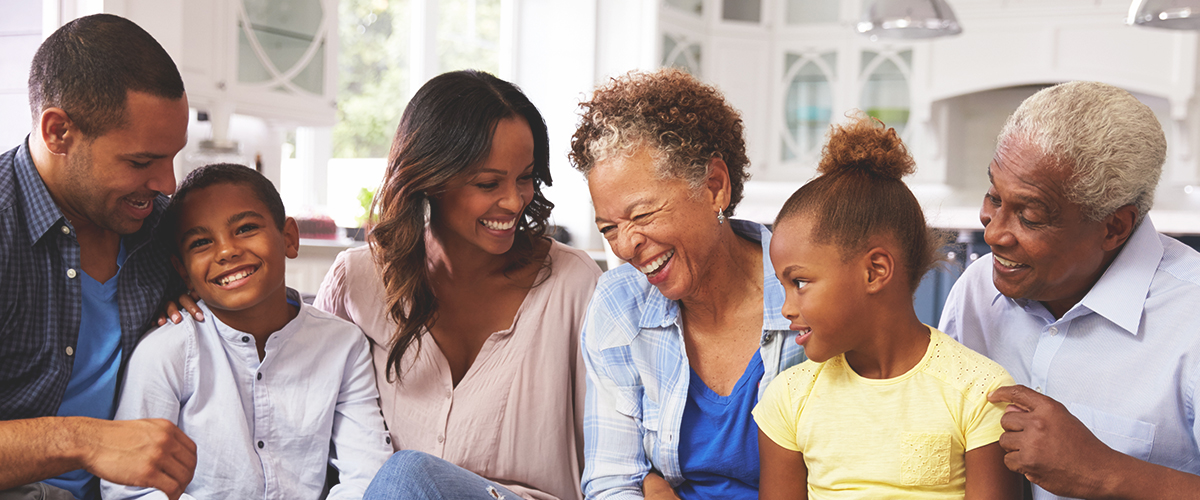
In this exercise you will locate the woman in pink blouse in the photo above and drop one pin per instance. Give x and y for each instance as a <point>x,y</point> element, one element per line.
<point>473,314</point>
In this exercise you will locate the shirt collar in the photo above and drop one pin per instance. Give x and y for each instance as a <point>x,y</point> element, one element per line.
<point>43,215</point>
<point>660,312</point>
<point>1120,294</point>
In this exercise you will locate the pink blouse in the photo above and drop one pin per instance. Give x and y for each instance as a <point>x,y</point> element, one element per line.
<point>516,417</point>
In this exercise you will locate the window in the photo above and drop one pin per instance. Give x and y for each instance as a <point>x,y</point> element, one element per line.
<point>388,48</point>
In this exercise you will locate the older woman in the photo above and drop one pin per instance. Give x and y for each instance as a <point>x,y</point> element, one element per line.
<point>680,342</point>
<point>473,314</point>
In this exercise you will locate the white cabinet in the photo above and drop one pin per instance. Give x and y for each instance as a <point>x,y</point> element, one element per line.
<point>274,59</point>
<point>794,66</point>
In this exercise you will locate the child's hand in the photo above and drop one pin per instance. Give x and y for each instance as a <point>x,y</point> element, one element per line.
<point>1052,448</point>
<point>188,303</point>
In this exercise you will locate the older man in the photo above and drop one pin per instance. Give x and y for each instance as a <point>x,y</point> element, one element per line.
<point>1085,304</point>
<point>80,271</point>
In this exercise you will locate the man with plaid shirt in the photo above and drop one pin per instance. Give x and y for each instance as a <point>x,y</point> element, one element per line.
<point>81,274</point>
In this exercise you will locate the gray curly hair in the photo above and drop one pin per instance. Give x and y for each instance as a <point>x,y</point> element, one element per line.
<point>682,123</point>
<point>1111,142</point>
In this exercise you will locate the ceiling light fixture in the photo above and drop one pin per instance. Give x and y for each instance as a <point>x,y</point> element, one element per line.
<point>908,19</point>
<point>1170,14</point>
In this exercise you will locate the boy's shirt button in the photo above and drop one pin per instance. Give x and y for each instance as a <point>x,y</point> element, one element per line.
<point>260,376</point>
<point>260,445</point>
<point>245,338</point>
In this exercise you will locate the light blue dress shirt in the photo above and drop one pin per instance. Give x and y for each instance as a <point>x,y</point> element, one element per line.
<point>638,374</point>
<point>263,430</point>
<point>1125,360</point>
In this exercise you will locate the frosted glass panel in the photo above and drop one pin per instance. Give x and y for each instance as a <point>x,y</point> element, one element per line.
<point>690,6</point>
<point>885,93</point>
<point>299,18</point>
<point>808,105</point>
<point>742,10</point>
<point>812,11</point>
<point>285,30</point>
<point>312,77</point>
<point>681,54</point>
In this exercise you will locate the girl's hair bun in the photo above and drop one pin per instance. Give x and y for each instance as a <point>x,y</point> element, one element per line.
<point>868,145</point>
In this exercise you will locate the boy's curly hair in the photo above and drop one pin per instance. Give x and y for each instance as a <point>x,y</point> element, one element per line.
<point>682,122</point>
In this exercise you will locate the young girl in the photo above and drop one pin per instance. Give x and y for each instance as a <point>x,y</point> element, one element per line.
<point>886,407</point>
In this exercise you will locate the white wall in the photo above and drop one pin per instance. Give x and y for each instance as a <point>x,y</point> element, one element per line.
<point>553,65</point>
<point>20,35</point>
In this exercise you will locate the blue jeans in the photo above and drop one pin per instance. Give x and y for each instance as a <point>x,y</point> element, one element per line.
<point>413,475</point>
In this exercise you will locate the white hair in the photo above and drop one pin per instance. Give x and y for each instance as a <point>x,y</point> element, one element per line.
<point>1110,141</point>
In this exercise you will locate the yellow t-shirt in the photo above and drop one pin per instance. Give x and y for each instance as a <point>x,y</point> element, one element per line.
<point>903,437</point>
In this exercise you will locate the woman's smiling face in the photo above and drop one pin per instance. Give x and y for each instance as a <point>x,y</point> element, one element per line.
<point>664,227</point>
<point>484,209</point>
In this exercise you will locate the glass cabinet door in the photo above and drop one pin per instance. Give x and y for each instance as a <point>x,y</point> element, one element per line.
<point>808,103</point>
<point>681,53</point>
<point>690,6</point>
<point>281,43</point>
<point>742,10</point>
<point>885,89</point>
<point>812,11</point>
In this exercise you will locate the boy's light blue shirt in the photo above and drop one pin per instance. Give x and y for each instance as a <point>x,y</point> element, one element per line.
<point>638,374</point>
<point>1125,360</point>
<point>262,429</point>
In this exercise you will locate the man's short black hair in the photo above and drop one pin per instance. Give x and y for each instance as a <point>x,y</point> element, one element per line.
<point>212,175</point>
<point>88,66</point>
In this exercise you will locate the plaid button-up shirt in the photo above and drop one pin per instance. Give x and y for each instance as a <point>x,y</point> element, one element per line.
<point>41,297</point>
<point>638,374</point>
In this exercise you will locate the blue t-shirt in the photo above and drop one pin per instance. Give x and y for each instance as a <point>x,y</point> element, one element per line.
<point>718,439</point>
<point>92,389</point>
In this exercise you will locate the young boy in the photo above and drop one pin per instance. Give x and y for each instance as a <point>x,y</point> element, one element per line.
<point>270,389</point>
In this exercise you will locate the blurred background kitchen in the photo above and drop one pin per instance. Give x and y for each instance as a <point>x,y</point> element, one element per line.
<point>310,91</point>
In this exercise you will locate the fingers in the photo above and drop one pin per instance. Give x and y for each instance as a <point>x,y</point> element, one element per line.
<point>172,313</point>
<point>189,303</point>
<point>1025,398</point>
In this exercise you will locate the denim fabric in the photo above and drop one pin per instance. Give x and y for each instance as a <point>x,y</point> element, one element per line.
<point>414,475</point>
<point>36,491</point>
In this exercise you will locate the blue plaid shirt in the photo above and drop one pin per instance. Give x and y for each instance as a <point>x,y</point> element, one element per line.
<point>41,294</point>
<point>638,374</point>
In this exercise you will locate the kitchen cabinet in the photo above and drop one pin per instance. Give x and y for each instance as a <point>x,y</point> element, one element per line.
<point>792,67</point>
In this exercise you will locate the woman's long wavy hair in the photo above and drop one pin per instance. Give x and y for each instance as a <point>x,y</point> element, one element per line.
<point>444,135</point>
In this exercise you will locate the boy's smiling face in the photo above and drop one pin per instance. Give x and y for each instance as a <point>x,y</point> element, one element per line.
<point>230,251</point>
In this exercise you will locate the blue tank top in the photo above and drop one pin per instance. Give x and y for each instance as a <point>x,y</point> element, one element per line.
<point>718,439</point>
